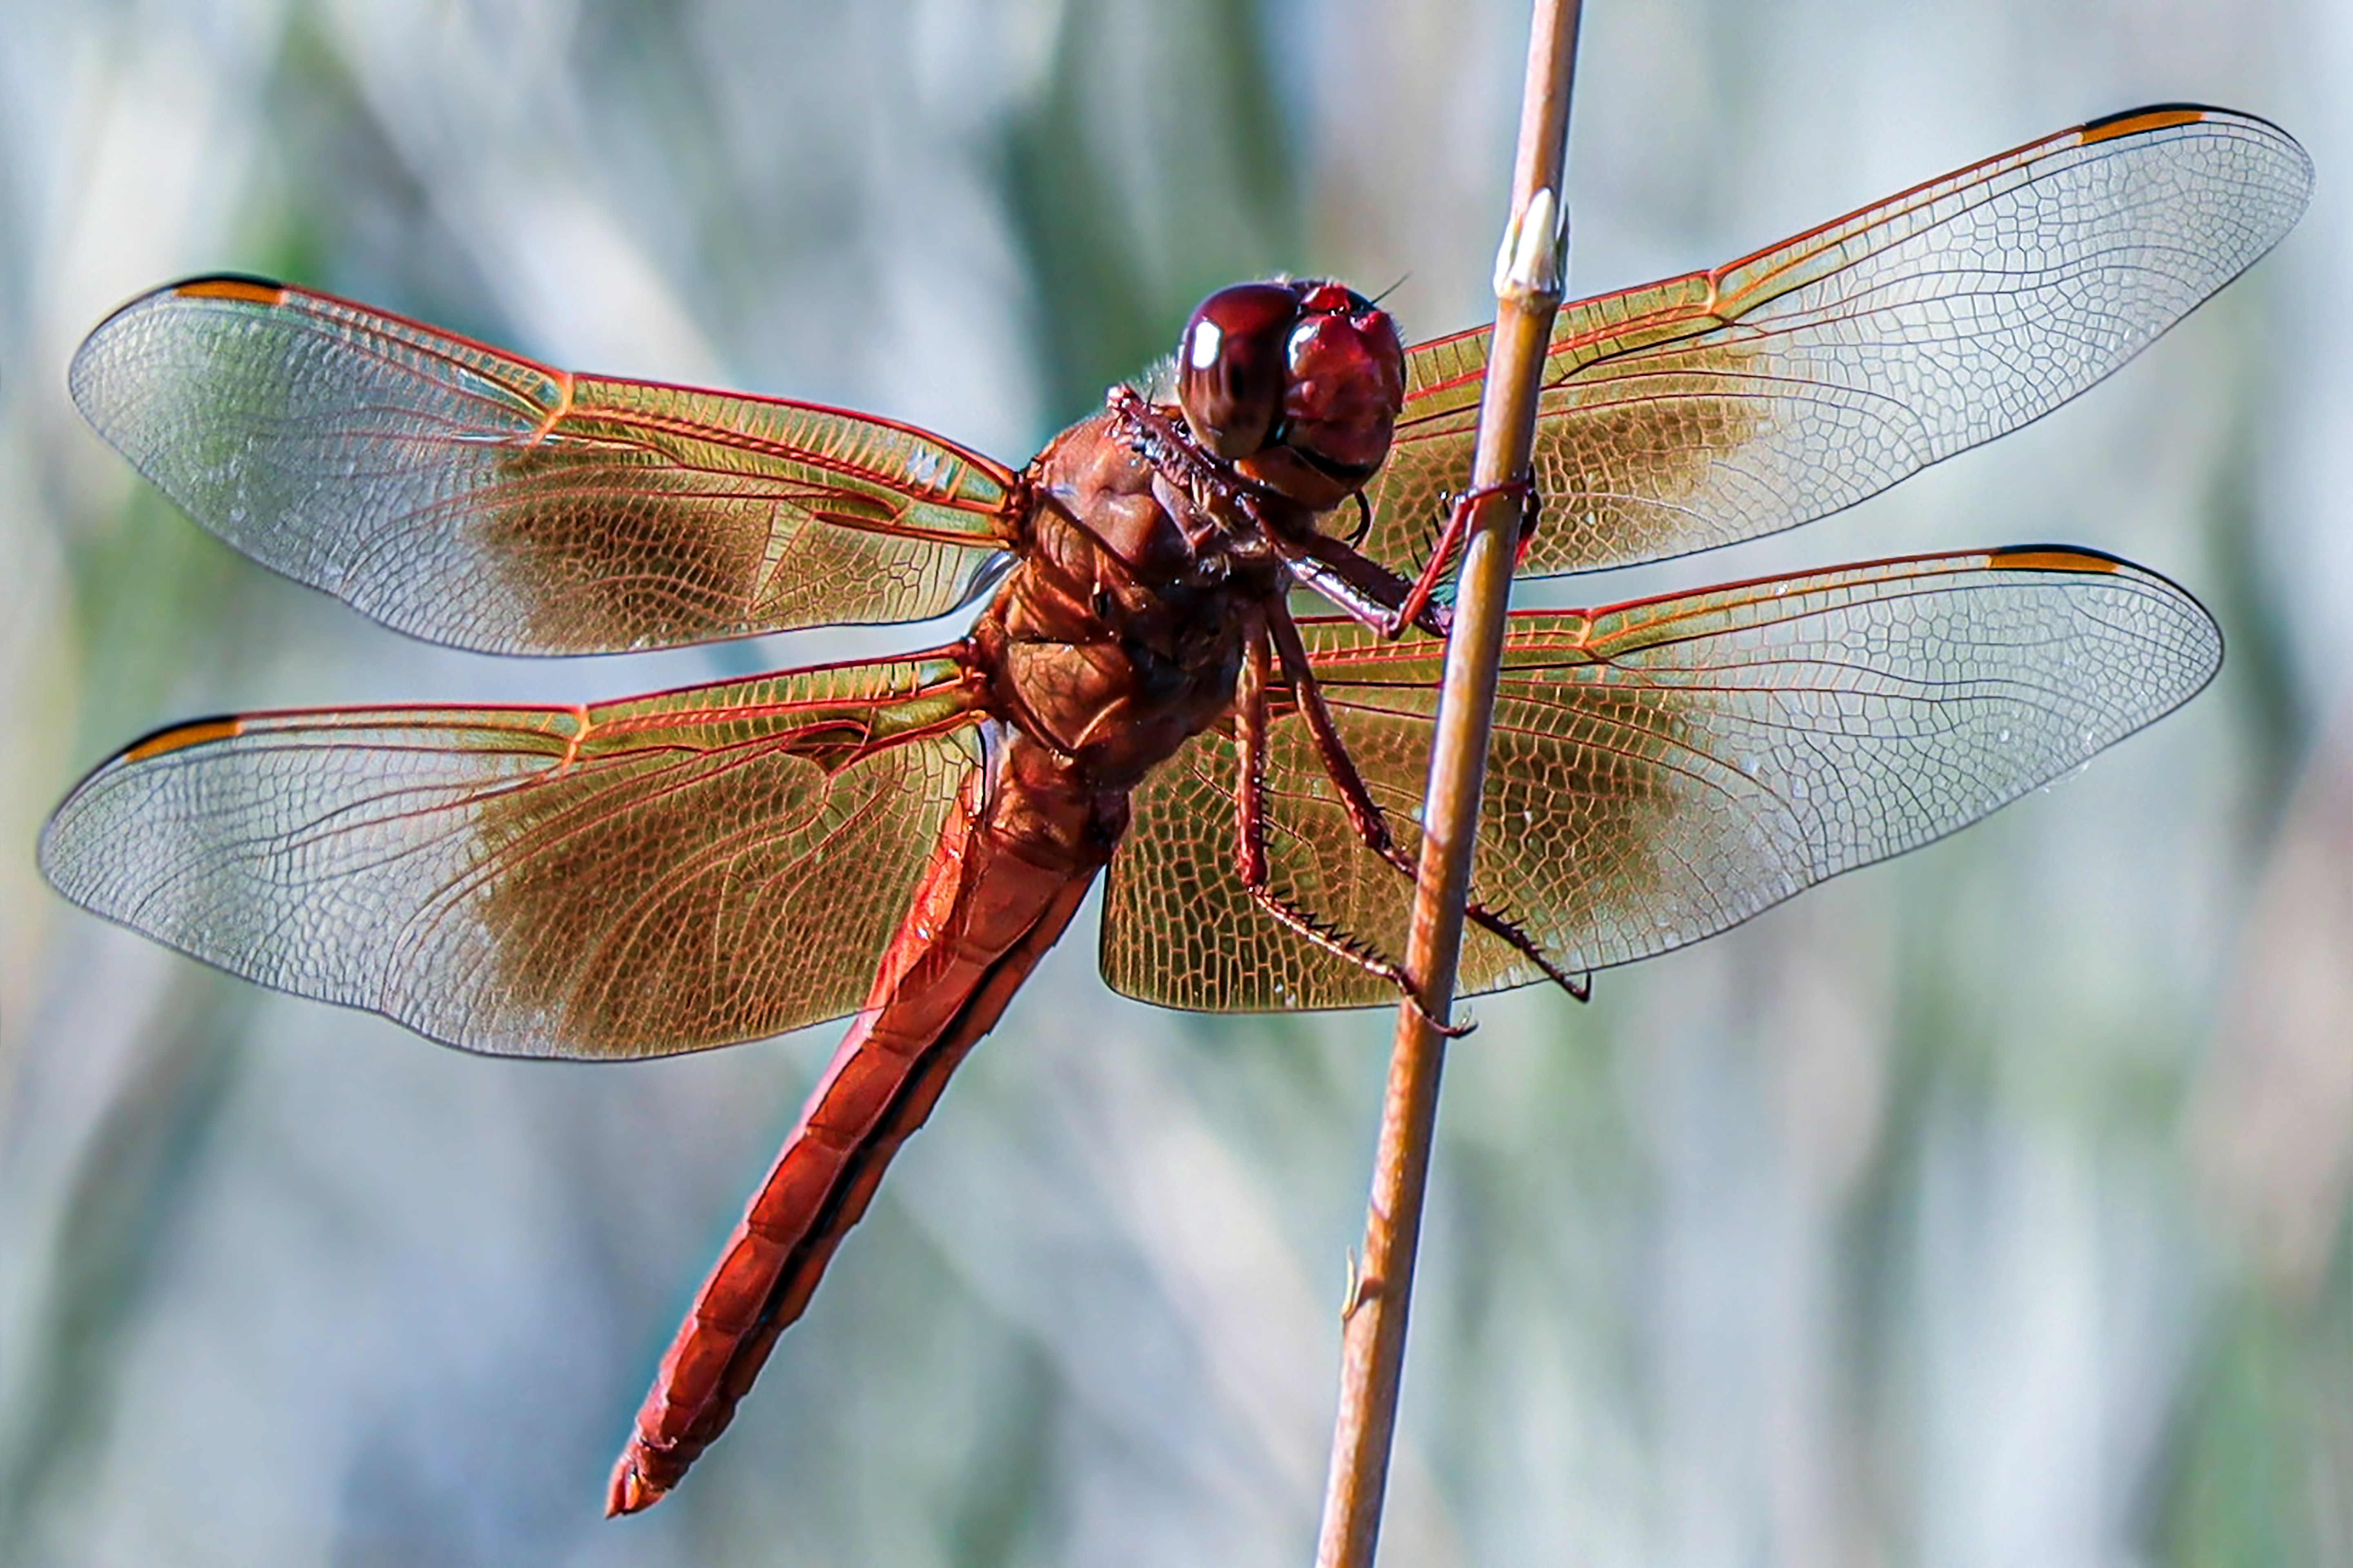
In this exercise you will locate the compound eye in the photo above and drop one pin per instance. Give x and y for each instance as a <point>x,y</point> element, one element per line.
<point>1340,400</point>
<point>1232,366</point>
<point>1345,381</point>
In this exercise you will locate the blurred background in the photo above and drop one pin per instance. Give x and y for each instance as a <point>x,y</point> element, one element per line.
<point>1985,1207</point>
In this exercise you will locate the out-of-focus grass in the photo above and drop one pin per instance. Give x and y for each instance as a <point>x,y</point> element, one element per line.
<point>122,1217</point>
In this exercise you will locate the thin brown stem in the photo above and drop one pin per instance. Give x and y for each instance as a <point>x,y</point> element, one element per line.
<point>1527,294</point>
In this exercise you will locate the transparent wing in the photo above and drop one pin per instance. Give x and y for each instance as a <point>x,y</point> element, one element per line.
<point>1783,386</point>
<point>661,874</point>
<point>1662,770</point>
<point>468,496</point>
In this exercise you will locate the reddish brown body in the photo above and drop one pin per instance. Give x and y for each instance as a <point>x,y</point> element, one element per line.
<point>1116,639</point>
<point>1010,873</point>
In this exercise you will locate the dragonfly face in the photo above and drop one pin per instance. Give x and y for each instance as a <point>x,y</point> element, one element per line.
<point>1298,384</point>
<point>694,867</point>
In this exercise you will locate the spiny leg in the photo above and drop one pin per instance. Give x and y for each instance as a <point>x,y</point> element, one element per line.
<point>1217,494</point>
<point>1364,813</point>
<point>1252,720</point>
<point>1451,537</point>
<point>1367,591</point>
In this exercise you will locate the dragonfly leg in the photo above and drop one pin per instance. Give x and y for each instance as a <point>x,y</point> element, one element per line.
<point>1217,494</point>
<point>1252,720</point>
<point>1367,591</point>
<point>1449,542</point>
<point>1364,813</point>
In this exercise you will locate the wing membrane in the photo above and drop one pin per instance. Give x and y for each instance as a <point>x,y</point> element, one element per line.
<point>709,865</point>
<point>1798,381</point>
<point>473,497</point>
<point>1662,770</point>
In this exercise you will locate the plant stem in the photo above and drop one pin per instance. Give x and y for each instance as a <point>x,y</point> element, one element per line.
<point>1527,294</point>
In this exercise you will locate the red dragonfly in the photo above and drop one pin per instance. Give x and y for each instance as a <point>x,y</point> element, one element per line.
<point>901,839</point>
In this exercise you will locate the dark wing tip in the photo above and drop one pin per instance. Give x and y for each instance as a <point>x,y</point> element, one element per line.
<point>88,376</point>
<point>155,743</point>
<point>2151,117</point>
<point>177,736</point>
<point>2056,558</point>
<point>2082,560</point>
<point>241,286</point>
<point>2160,116</point>
<point>244,288</point>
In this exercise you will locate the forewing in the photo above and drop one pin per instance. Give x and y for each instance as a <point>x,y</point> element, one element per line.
<point>1662,770</point>
<point>656,875</point>
<point>473,497</point>
<point>1788,385</point>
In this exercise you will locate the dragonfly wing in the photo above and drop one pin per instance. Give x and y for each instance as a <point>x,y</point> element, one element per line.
<point>661,874</point>
<point>473,497</point>
<point>1180,930</point>
<point>1662,770</point>
<point>1788,385</point>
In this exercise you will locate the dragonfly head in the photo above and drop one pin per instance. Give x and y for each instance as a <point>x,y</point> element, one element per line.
<point>1297,384</point>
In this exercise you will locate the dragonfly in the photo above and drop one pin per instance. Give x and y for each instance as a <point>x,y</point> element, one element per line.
<point>1141,698</point>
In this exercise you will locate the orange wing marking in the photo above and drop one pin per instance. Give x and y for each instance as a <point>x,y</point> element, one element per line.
<point>2100,130</point>
<point>180,737</point>
<point>2031,560</point>
<point>253,290</point>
